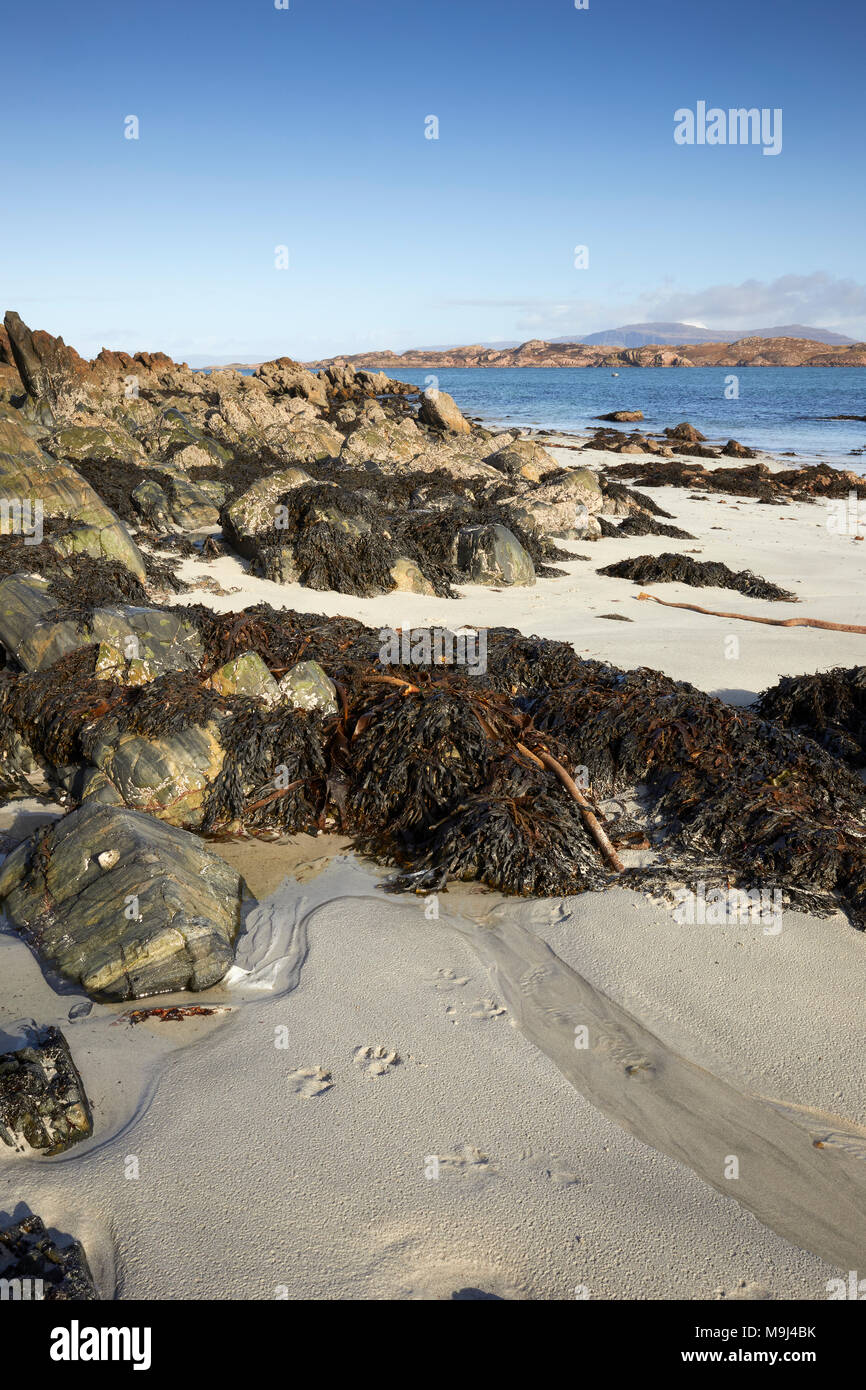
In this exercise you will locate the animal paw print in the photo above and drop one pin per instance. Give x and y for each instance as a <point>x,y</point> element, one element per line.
<point>308,1082</point>
<point>486,1009</point>
<point>447,979</point>
<point>376,1061</point>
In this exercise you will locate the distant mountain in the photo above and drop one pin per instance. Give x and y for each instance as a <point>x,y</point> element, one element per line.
<point>681,334</point>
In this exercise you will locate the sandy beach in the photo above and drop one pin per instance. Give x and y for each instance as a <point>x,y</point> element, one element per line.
<point>395,1103</point>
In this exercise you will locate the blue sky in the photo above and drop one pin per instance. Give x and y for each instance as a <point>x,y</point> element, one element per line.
<point>305,128</point>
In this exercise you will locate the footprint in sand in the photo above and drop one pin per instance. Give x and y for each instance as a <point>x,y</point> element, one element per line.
<point>376,1061</point>
<point>308,1082</point>
<point>469,1162</point>
<point>486,1009</point>
<point>447,979</point>
<point>748,1292</point>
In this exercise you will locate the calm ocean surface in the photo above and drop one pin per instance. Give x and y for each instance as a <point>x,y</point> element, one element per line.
<point>777,408</point>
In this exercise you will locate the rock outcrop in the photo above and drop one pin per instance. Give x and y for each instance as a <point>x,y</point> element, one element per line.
<point>123,906</point>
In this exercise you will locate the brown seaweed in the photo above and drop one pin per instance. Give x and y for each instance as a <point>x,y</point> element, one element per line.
<point>682,569</point>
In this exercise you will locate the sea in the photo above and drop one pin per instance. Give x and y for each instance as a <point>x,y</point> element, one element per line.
<point>776,409</point>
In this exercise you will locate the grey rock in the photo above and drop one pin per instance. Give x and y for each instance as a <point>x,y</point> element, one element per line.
<point>493,555</point>
<point>29,475</point>
<point>28,629</point>
<point>308,686</point>
<point>122,905</point>
<point>440,411</point>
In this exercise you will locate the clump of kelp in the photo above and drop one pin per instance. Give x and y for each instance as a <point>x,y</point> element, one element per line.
<point>757,480</point>
<point>640,524</point>
<point>829,707</point>
<point>437,772</point>
<point>682,569</point>
<point>346,531</point>
<point>74,580</point>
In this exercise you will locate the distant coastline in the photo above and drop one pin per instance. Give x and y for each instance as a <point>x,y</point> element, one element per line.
<point>745,352</point>
<point>537,352</point>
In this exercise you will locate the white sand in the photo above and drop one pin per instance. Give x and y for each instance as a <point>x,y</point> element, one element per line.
<point>259,1179</point>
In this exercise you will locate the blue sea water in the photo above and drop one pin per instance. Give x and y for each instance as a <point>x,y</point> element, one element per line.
<point>777,409</point>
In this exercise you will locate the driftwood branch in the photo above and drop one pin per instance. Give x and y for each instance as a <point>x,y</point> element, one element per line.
<point>590,820</point>
<point>751,618</point>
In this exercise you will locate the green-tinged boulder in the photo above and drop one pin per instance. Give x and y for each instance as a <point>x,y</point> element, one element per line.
<point>123,906</point>
<point>307,686</point>
<point>523,459</point>
<point>151,502</point>
<point>246,675</point>
<point>168,777</point>
<point>112,665</point>
<point>191,508</point>
<point>28,629</point>
<point>38,484</point>
<point>256,509</point>
<point>178,431</point>
<point>102,443</point>
<point>43,1105</point>
<point>492,555</point>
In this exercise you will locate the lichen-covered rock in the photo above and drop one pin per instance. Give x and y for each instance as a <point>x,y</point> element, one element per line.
<point>41,1268</point>
<point>151,502</point>
<point>385,442</point>
<point>246,675</point>
<point>29,630</point>
<point>408,578</point>
<point>167,777</point>
<point>30,476</point>
<point>525,459</point>
<point>575,485</point>
<point>113,665</point>
<point>191,509</point>
<point>568,519</point>
<point>256,509</point>
<point>177,432</point>
<point>440,411</point>
<point>493,555</point>
<point>284,376</point>
<point>123,906</point>
<point>103,443</point>
<point>43,1105</point>
<point>307,686</point>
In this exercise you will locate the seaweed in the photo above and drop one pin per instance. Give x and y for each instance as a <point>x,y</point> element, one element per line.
<point>829,707</point>
<point>746,480</point>
<point>639,524</point>
<point>682,569</point>
<point>346,530</point>
<point>442,774</point>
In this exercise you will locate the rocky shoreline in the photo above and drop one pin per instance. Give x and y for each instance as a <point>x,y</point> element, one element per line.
<point>155,725</point>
